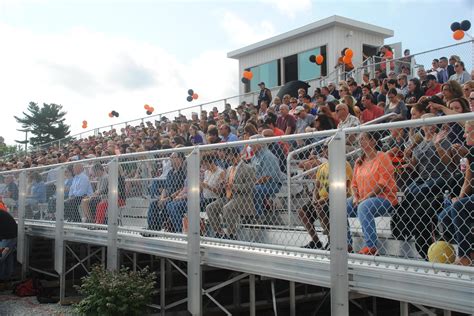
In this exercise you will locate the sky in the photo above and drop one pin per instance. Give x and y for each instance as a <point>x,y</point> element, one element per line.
<point>95,56</point>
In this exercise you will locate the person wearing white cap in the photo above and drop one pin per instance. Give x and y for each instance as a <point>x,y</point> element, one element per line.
<point>304,119</point>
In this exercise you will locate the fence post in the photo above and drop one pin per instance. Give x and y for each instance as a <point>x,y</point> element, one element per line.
<point>194,258</point>
<point>59,247</point>
<point>338,224</point>
<point>112,226</point>
<point>22,244</point>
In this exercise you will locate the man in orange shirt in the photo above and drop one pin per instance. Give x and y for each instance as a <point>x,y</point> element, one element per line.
<point>271,121</point>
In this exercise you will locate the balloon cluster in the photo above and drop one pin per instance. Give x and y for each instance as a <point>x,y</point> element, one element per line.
<point>192,95</point>
<point>149,109</point>
<point>348,54</point>
<point>247,76</point>
<point>84,124</point>
<point>459,29</point>
<point>113,113</point>
<point>316,59</point>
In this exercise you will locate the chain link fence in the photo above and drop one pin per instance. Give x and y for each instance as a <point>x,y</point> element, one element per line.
<point>408,191</point>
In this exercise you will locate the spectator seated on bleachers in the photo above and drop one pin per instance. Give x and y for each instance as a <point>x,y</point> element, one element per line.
<point>268,175</point>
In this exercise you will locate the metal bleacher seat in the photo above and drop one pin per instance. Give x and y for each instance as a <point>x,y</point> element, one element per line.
<point>134,212</point>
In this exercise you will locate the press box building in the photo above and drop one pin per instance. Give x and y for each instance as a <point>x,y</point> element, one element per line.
<point>285,57</point>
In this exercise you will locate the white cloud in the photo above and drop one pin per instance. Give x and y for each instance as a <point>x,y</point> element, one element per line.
<point>90,74</point>
<point>242,32</point>
<point>290,8</point>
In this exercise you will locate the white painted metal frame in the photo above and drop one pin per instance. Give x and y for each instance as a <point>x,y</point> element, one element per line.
<point>338,222</point>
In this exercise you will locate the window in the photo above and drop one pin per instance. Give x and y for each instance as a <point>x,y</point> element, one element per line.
<point>268,73</point>
<point>308,70</point>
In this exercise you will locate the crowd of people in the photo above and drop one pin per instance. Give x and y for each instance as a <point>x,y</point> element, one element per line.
<point>421,162</point>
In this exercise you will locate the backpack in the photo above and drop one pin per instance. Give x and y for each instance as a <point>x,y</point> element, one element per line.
<point>26,288</point>
<point>3,207</point>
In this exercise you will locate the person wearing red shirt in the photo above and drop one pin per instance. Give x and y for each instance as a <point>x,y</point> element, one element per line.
<point>372,111</point>
<point>286,122</point>
<point>433,87</point>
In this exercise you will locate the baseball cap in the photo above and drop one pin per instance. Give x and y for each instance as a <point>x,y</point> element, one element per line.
<point>431,77</point>
<point>298,109</point>
<point>261,83</point>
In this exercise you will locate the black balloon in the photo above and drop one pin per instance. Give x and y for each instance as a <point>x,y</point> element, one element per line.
<point>312,58</point>
<point>465,25</point>
<point>455,26</point>
<point>189,98</point>
<point>245,80</point>
<point>190,92</point>
<point>117,114</point>
<point>148,113</point>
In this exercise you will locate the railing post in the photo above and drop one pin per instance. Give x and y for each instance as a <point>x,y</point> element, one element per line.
<point>288,176</point>
<point>59,246</point>
<point>194,257</point>
<point>112,226</point>
<point>372,68</point>
<point>22,247</point>
<point>338,224</point>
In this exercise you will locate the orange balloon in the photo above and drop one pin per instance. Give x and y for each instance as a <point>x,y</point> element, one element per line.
<point>151,109</point>
<point>349,53</point>
<point>319,59</point>
<point>195,96</point>
<point>84,125</point>
<point>146,106</point>
<point>111,115</point>
<point>346,60</point>
<point>248,75</point>
<point>458,35</point>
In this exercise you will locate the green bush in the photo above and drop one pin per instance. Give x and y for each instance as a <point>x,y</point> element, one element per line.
<point>116,293</point>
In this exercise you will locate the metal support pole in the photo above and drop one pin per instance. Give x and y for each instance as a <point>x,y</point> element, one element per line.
<point>194,258</point>
<point>338,222</point>
<point>404,311</point>
<point>112,226</point>
<point>252,294</point>
<point>162,286</point>
<point>272,285</point>
<point>288,179</point>
<point>22,248</point>
<point>292,299</point>
<point>59,244</point>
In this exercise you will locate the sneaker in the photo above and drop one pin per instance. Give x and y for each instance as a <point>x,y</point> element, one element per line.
<point>313,245</point>
<point>370,251</point>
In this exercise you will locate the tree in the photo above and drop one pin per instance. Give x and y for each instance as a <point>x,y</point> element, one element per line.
<point>7,149</point>
<point>46,123</point>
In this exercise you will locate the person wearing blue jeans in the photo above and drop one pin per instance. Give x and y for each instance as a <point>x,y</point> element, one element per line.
<point>267,173</point>
<point>366,211</point>
<point>263,192</point>
<point>374,189</point>
<point>463,215</point>
<point>173,188</point>
<point>175,211</point>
